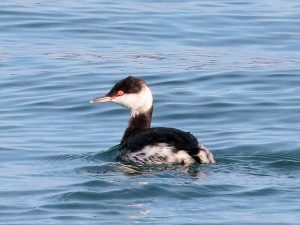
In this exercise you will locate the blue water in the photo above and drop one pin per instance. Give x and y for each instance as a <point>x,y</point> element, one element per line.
<point>228,71</point>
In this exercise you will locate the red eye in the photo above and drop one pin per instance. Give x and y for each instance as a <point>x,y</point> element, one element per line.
<point>120,93</point>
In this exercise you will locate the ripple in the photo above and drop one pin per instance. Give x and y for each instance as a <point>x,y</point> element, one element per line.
<point>107,155</point>
<point>147,191</point>
<point>230,78</point>
<point>75,205</point>
<point>65,157</point>
<point>286,164</point>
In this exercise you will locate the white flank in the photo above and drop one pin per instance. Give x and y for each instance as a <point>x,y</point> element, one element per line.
<point>160,154</point>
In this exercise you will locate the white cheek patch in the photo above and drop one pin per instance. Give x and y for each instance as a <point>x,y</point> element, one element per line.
<point>139,102</point>
<point>127,100</point>
<point>145,97</point>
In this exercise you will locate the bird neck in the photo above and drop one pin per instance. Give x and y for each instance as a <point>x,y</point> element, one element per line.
<point>138,121</point>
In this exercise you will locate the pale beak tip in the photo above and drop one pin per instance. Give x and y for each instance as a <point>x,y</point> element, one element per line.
<point>100,100</point>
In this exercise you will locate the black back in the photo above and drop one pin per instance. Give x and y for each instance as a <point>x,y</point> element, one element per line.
<point>175,138</point>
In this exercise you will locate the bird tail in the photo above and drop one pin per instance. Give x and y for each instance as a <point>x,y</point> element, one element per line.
<point>205,155</point>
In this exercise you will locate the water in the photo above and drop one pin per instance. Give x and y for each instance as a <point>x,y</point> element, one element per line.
<point>228,71</point>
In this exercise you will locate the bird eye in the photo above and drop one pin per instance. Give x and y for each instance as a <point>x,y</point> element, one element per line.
<point>120,93</point>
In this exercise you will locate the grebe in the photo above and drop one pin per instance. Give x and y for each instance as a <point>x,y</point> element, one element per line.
<point>142,145</point>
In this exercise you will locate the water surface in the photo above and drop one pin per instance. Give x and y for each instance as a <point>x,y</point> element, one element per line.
<point>227,71</point>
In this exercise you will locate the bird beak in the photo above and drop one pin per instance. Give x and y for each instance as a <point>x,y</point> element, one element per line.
<point>101,99</point>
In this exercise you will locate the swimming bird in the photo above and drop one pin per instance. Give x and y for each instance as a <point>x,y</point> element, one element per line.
<point>145,145</point>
